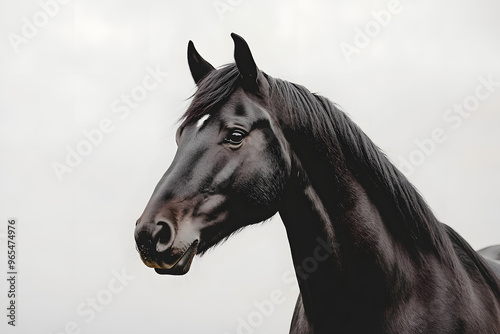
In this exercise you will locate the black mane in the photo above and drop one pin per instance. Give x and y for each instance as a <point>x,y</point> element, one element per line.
<point>212,91</point>
<point>328,126</point>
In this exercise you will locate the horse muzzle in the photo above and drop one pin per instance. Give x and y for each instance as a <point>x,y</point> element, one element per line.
<point>161,248</point>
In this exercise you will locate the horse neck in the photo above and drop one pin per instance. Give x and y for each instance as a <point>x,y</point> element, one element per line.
<point>342,251</point>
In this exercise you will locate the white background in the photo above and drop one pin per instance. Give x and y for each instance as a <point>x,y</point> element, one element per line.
<point>72,234</point>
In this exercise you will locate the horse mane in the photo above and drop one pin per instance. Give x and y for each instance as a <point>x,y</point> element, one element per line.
<point>324,123</point>
<point>326,126</point>
<point>214,89</point>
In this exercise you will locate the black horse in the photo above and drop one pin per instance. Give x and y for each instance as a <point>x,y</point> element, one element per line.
<point>369,254</point>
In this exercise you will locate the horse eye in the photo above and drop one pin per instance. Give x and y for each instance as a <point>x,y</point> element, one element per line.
<point>235,137</point>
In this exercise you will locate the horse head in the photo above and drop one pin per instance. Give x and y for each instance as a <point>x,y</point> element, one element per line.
<point>229,171</point>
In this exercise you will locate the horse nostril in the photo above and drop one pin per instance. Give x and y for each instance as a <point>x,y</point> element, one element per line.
<point>165,236</point>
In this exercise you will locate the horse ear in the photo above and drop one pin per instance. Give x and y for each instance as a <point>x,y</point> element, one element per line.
<point>199,67</point>
<point>244,61</point>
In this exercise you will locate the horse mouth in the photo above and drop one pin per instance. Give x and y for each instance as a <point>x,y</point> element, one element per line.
<point>181,265</point>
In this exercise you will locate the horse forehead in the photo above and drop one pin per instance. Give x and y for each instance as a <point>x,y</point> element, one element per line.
<point>242,107</point>
<point>242,102</point>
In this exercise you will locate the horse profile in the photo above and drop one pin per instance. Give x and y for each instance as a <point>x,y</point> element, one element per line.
<point>250,146</point>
